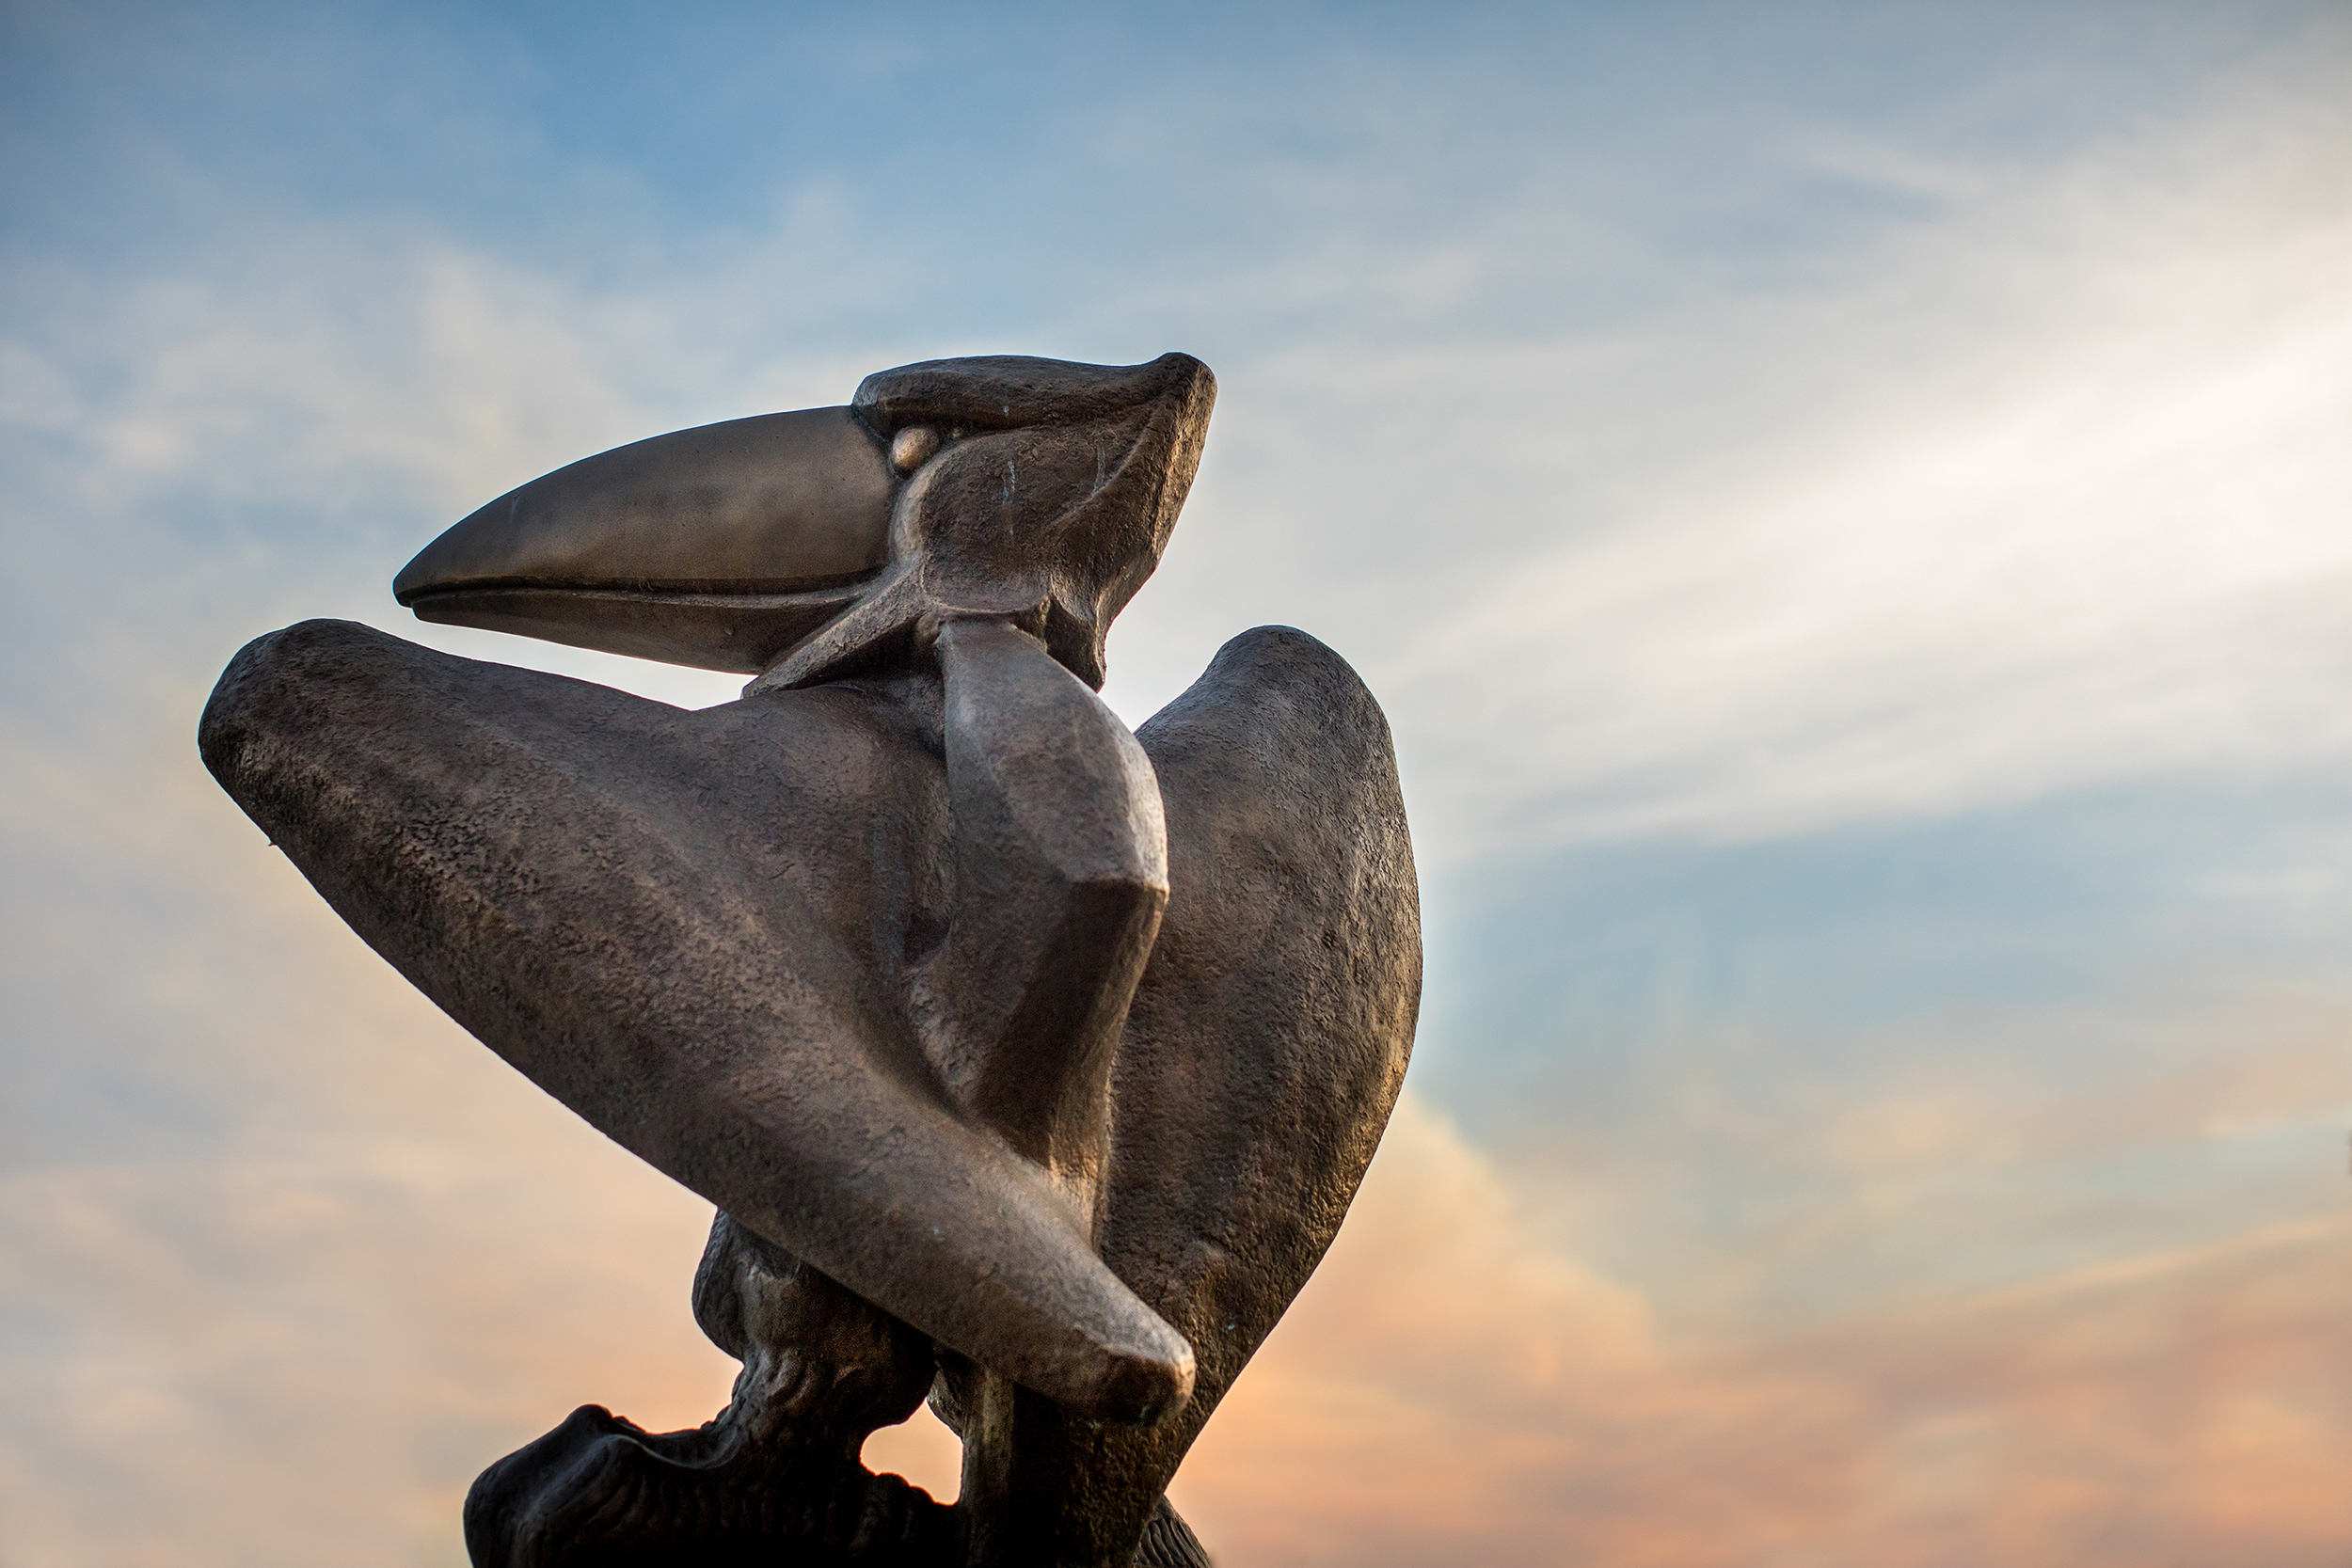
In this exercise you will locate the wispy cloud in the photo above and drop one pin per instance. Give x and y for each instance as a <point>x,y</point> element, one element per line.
<point>2041,491</point>
<point>2032,489</point>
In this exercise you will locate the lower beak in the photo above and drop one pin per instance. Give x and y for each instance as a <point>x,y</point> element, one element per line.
<point>719,546</point>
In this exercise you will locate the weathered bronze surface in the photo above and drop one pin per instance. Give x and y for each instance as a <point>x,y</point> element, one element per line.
<point>1031,1063</point>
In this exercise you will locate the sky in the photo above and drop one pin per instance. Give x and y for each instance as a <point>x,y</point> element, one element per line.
<point>1847,508</point>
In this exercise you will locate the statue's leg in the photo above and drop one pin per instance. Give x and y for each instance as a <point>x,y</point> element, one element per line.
<point>968,1401</point>
<point>774,1478</point>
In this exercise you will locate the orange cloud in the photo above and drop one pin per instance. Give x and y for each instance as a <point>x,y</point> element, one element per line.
<point>1448,1391</point>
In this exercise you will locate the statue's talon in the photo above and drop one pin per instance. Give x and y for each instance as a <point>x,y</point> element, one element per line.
<point>778,1469</point>
<point>599,1492</point>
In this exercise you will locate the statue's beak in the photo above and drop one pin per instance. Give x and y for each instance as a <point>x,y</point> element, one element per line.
<point>719,546</point>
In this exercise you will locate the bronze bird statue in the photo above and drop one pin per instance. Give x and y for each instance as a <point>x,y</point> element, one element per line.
<point>1031,1063</point>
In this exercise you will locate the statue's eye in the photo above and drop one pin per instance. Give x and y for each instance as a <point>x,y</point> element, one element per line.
<point>913,446</point>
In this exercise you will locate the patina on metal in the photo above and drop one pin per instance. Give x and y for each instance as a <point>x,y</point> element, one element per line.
<point>1032,1062</point>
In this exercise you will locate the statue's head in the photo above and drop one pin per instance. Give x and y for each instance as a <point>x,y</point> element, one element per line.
<point>835,540</point>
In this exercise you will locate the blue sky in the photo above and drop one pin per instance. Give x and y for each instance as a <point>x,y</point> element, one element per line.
<point>1846,507</point>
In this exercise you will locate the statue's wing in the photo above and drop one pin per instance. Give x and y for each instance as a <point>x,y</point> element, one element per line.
<point>683,924</point>
<point>1263,1053</point>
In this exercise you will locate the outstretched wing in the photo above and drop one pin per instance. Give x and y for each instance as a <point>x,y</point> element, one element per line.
<point>1262,1053</point>
<point>690,928</point>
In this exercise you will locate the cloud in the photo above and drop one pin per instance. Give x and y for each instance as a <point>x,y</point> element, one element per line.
<point>2027,491</point>
<point>2037,495</point>
<point>302,1358</point>
<point>277,1359</point>
<point>2036,492</point>
<point>1450,1389</point>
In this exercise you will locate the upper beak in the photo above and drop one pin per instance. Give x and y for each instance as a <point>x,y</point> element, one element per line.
<point>719,546</point>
